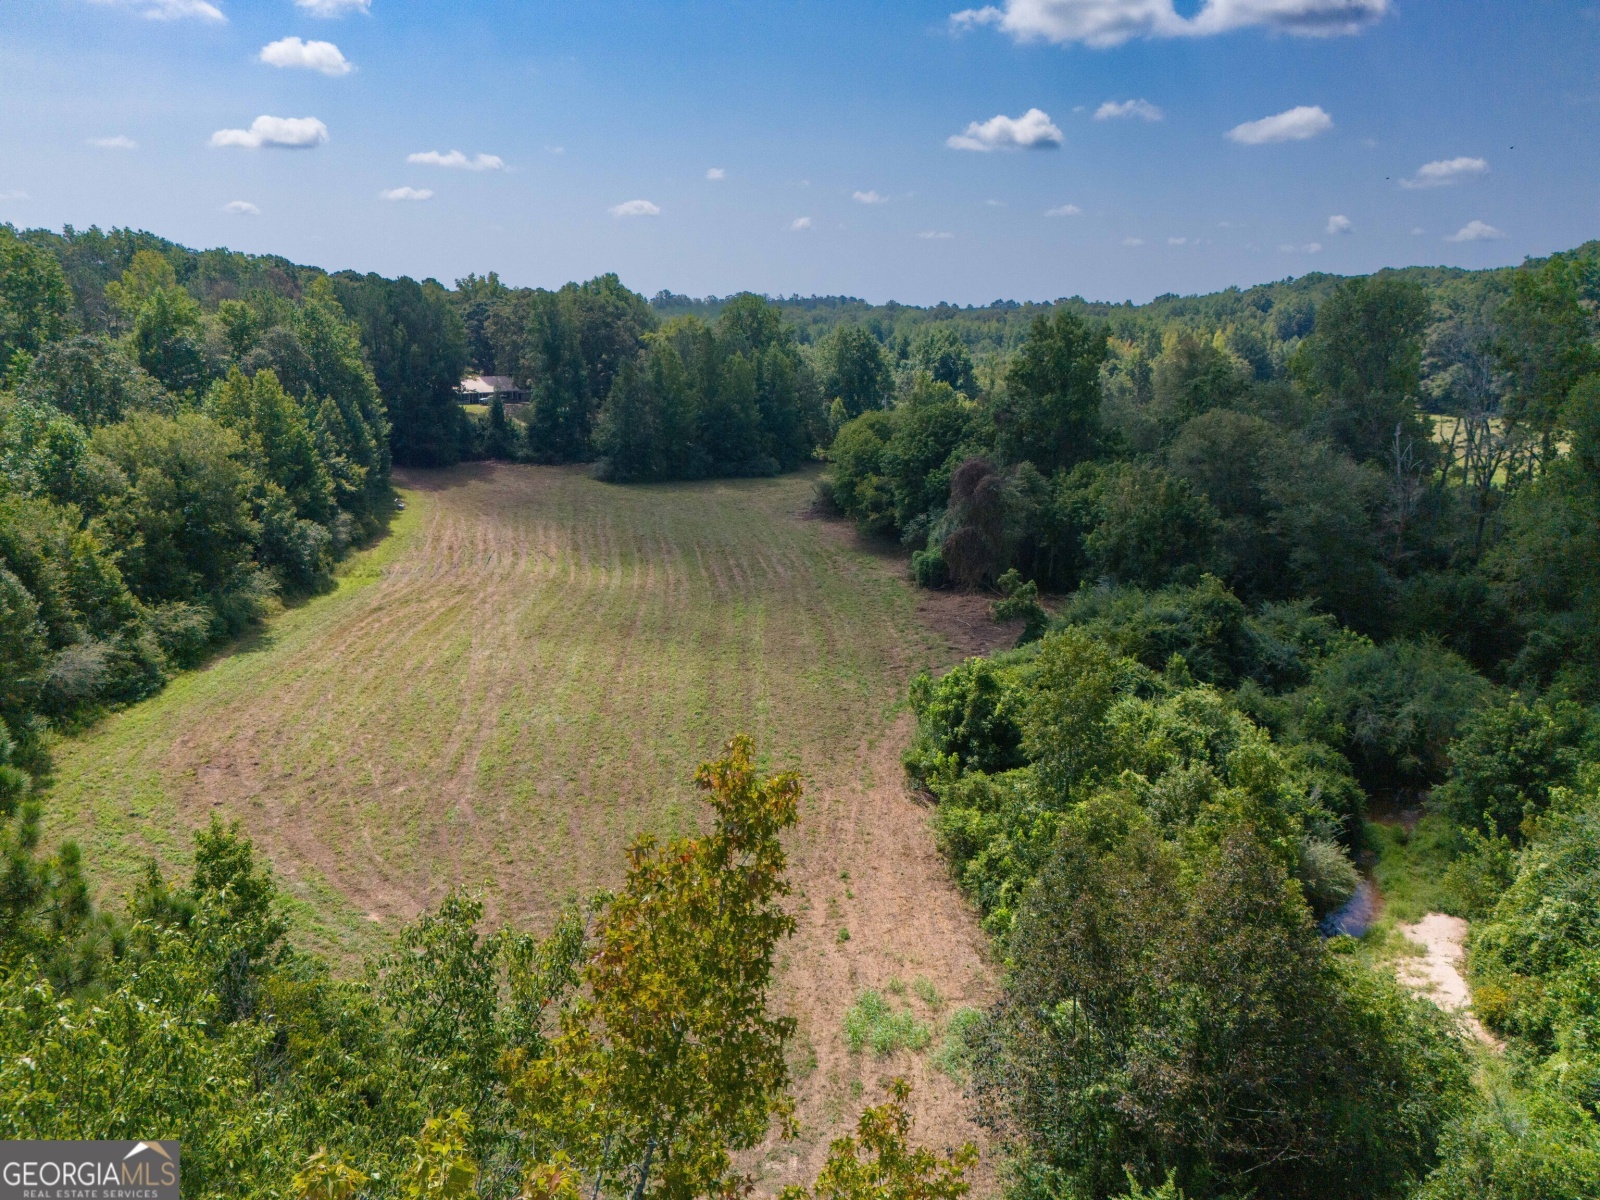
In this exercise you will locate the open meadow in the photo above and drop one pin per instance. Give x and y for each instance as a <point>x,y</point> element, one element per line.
<point>519,680</point>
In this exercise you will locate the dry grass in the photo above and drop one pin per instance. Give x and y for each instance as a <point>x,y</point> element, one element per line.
<point>520,680</point>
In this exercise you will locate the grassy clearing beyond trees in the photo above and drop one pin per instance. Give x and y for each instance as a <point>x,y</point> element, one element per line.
<point>504,693</point>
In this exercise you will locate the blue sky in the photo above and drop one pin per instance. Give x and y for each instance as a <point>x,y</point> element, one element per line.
<point>857,142</point>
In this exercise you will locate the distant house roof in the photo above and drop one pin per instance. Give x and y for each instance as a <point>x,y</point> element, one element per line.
<point>489,385</point>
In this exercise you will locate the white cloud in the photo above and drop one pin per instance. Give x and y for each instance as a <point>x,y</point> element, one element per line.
<point>1031,131</point>
<point>310,56</point>
<point>799,224</point>
<point>13,195</point>
<point>241,208</point>
<point>716,173</point>
<point>935,235</point>
<point>289,133</point>
<point>1143,109</point>
<point>1177,241</point>
<point>1103,23</point>
<point>994,203</point>
<point>114,143</point>
<point>333,8</point>
<point>1475,231</point>
<point>1296,125</point>
<point>635,208</point>
<point>1445,172</point>
<point>170,10</point>
<point>1065,210</point>
<point>1312,247</point>
<point>869,198</point>
<point>1338,225</point>
<point>1132,241</point>
<point>406,193</point>
<point>457,161</point>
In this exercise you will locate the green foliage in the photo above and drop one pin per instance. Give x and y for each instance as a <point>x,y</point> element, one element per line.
<point>1508,758</point>
<point>1412,871</point>
<point>1547,346</point>
<point>326,1178</point>
<point>940,353</point>
<point>871,1022</point>
<point>954,1054</point>
<point>968,720</point>
<point>91,379</point>
<point>697,401</point>
<point>1050,414</point>
<point>1518,1146</point>
<point>1546,565</point>
<point>1393,710</point>
<point>668,1059</point>
<point>854,372</point>
<point>417,347</point>
<point>921,453</point>
<point>1534,959</point>
<point>1189,1024</point>
<point>177,496</point>
<point>879,1163</point>
<point>859,486</point>
<point>440,1165</point>
<point>35,301</point>
<point>1364,362</point>
<point>1019,601</point>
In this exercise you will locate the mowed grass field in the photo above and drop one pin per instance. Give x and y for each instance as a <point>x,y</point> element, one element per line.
<point>519,680</point>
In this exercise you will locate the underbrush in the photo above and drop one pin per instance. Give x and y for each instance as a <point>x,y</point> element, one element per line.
<point>1411,866</point>
<point>872,1022</point>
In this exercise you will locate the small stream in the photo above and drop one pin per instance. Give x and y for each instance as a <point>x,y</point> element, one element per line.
<point>1359,912</point>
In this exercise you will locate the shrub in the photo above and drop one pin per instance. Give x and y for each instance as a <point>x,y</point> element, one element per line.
<point>1393,710</point>
<point>1507,760</point>
<point>872,1023</point>
<point>967,720</point>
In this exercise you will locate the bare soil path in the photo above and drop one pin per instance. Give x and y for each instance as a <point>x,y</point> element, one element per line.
<point>519,681</point>
<point>1437,974</point>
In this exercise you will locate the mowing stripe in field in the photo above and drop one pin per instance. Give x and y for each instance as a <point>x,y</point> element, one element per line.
<point>504,692</point>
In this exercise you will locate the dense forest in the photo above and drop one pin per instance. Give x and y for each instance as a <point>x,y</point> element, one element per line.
<point>1284,559</point>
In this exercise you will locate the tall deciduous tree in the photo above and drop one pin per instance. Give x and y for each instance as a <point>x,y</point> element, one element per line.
<point>668,1060</point>
<point>854,371</point>
<point>1050,414</point>
<point>35,301</point>
<point>1364,361</point>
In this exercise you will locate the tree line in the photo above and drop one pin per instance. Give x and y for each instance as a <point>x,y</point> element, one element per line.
<point>1279,603</point>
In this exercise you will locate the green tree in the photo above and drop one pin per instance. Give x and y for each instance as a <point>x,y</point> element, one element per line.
<point>854,371</point>
<point>35,301</point>
<point>860,487</point>
<point>275,431</point>
<point>668,1059</point>
<point>1165,1022</point>
<point>1364,361</point>
<point>1546,346</point>
<point>417,348</point>
<point>176,502</point>
<point>879,1163</point>
<point>940,353</point>
<point>91,380</point>
<point>1509,757</point>
<point>919,458</point>
<point>1050,412</point>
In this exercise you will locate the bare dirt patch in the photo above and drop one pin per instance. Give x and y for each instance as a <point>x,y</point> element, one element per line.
<point>1437,973</point>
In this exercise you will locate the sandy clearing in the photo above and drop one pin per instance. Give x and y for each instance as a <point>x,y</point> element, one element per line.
<point>1437,973</point>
